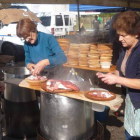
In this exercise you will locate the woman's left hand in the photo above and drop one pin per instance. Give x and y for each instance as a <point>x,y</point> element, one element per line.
<point>40,66</point>
<point>109,78</point>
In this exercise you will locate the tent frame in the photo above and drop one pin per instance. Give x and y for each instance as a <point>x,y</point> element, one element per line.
<point>117,3</point>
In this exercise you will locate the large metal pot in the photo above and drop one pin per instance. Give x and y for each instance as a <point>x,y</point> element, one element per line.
<point>63,118</point>
<point>20,107</point>
<point>13,92</point>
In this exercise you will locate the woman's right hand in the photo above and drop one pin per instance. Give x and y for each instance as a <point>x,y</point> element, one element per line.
<point>99,75</point>
<point>108,78</point>
<point>40,66</point>
<point>30,67</point>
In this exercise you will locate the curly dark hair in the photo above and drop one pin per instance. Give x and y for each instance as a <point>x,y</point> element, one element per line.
<point>128,22</point>
<point>25,26</point>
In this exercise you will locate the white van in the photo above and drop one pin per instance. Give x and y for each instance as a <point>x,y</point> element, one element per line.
<point>59,24</point>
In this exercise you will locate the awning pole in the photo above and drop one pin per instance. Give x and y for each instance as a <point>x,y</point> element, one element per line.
<point>78,16</point>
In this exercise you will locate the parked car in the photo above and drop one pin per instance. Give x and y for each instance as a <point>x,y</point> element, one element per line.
<point>10,43</point>
<point>59,24</point>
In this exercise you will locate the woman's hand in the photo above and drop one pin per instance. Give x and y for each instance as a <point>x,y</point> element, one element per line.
<point>40,66</point>
<point>108,78</point>
<point>99,74</point>
<point>30,67</point>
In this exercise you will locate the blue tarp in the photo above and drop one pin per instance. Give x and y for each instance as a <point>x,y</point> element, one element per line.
<point>73,7</point>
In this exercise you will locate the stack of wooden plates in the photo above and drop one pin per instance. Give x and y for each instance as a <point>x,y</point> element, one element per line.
<point>93,47</point>
<point>93,57</point>
<point>64,44</point>
<point>105,54</point>
<point>83,54</point>
<point>73,54</point>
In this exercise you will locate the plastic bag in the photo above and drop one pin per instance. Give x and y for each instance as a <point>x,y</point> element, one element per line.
<point>73,76</point>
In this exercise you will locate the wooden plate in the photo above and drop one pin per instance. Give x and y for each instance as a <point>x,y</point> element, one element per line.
<point>91,96</point>
<point>35,82</point>
<point>44,87</point>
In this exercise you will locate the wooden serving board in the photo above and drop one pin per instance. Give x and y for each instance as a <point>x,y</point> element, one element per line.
<point>78,95</point>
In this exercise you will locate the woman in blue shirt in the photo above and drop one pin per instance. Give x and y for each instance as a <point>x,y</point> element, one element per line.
<point>41,49</point>
<point>127,25</point>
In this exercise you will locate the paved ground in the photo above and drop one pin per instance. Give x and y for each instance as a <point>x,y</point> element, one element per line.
<point>114,129</point>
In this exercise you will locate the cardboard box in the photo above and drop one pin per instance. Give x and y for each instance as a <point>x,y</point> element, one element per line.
<point>8,16</point>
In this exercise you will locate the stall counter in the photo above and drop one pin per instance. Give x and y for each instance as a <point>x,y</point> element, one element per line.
<point>80,96</point>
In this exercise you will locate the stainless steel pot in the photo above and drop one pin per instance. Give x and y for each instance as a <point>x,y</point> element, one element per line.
<point>20,107</point>
<point>63,118</point>
<point>15,93</point>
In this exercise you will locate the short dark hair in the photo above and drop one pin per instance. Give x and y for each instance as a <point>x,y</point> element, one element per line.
<point>128,22</point>
<point>96,17</point>
<point>25,26</point>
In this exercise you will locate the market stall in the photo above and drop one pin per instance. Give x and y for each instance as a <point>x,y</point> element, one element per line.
<point>77,97</point>
<point>73,101</point>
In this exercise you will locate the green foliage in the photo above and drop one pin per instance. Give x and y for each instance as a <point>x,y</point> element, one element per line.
<point>87,20</point>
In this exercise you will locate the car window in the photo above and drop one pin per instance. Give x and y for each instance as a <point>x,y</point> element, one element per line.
<point>66,17</point>
<point>59,20</point>
<point>46,21</point>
